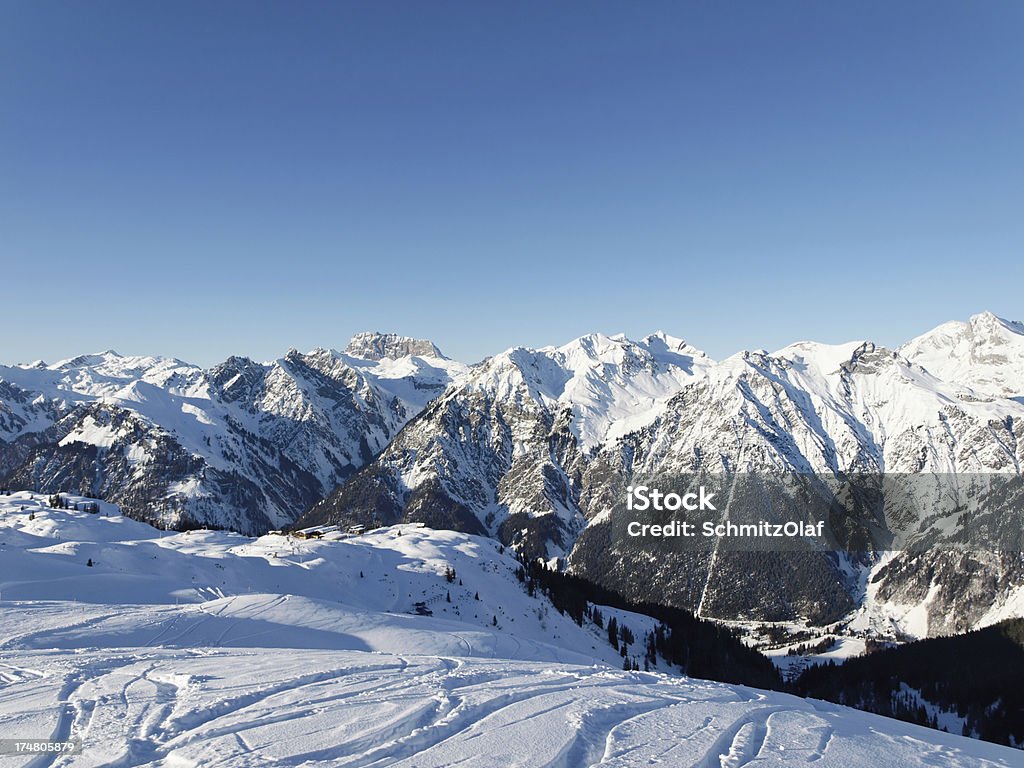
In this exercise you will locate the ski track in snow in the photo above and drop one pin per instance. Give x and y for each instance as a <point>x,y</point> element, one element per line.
<point>351,709</point>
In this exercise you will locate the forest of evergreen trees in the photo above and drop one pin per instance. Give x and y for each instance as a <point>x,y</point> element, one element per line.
<point>700,648</point>
<point>978,675</point>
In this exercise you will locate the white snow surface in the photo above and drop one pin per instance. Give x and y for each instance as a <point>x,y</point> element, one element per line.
<point>209,648</point>
<point>610,384</point>
<point>985,354</point>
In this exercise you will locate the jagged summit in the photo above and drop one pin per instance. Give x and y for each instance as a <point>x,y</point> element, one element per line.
<point>664,341</point>
<point>985,354</point>
<point>822,358</point>
<point>990,320</point>
<point>372,345</point>
<point>81,361</point>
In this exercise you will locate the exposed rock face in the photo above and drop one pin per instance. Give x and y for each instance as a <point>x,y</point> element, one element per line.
<point>377,346</point>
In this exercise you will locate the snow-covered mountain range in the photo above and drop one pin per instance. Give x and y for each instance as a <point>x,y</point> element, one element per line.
<point>244,445</point>
<point>404,646</point>
<point>525,447</point>
<point>500,452</point>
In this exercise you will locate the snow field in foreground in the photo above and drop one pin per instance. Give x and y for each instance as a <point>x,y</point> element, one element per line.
<point>213,649</point>
<point>204,707</point>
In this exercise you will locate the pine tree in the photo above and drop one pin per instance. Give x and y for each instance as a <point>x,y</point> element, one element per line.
<point>626,635</point>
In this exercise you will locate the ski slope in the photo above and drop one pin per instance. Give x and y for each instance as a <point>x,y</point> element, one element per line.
<point>202,707</point>
<point>210,648</point>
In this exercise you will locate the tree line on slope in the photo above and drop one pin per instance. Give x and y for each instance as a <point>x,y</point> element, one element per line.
<point>979,676</point>
<point>699,648</point>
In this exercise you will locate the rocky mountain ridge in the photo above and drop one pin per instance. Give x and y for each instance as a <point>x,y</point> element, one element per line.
<point>530,445</point>
<point>243,445</point>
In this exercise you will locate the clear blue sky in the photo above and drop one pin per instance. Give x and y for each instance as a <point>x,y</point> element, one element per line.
<point>202,179</point>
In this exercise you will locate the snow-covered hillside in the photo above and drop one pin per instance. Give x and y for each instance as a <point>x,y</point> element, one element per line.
<point>210,648</point>
<point>223,589</point>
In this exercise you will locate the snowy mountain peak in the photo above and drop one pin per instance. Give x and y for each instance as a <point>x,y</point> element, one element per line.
<point>985,354</point>
<point>659,340</point>
<point>83,361</point>
<point>596,371</point>
<point>826,358</point>
<point>987,321</point>
<point>601,349</point>
<point>110,365</point>
<point>372,345</point>
<point>593,347</point>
